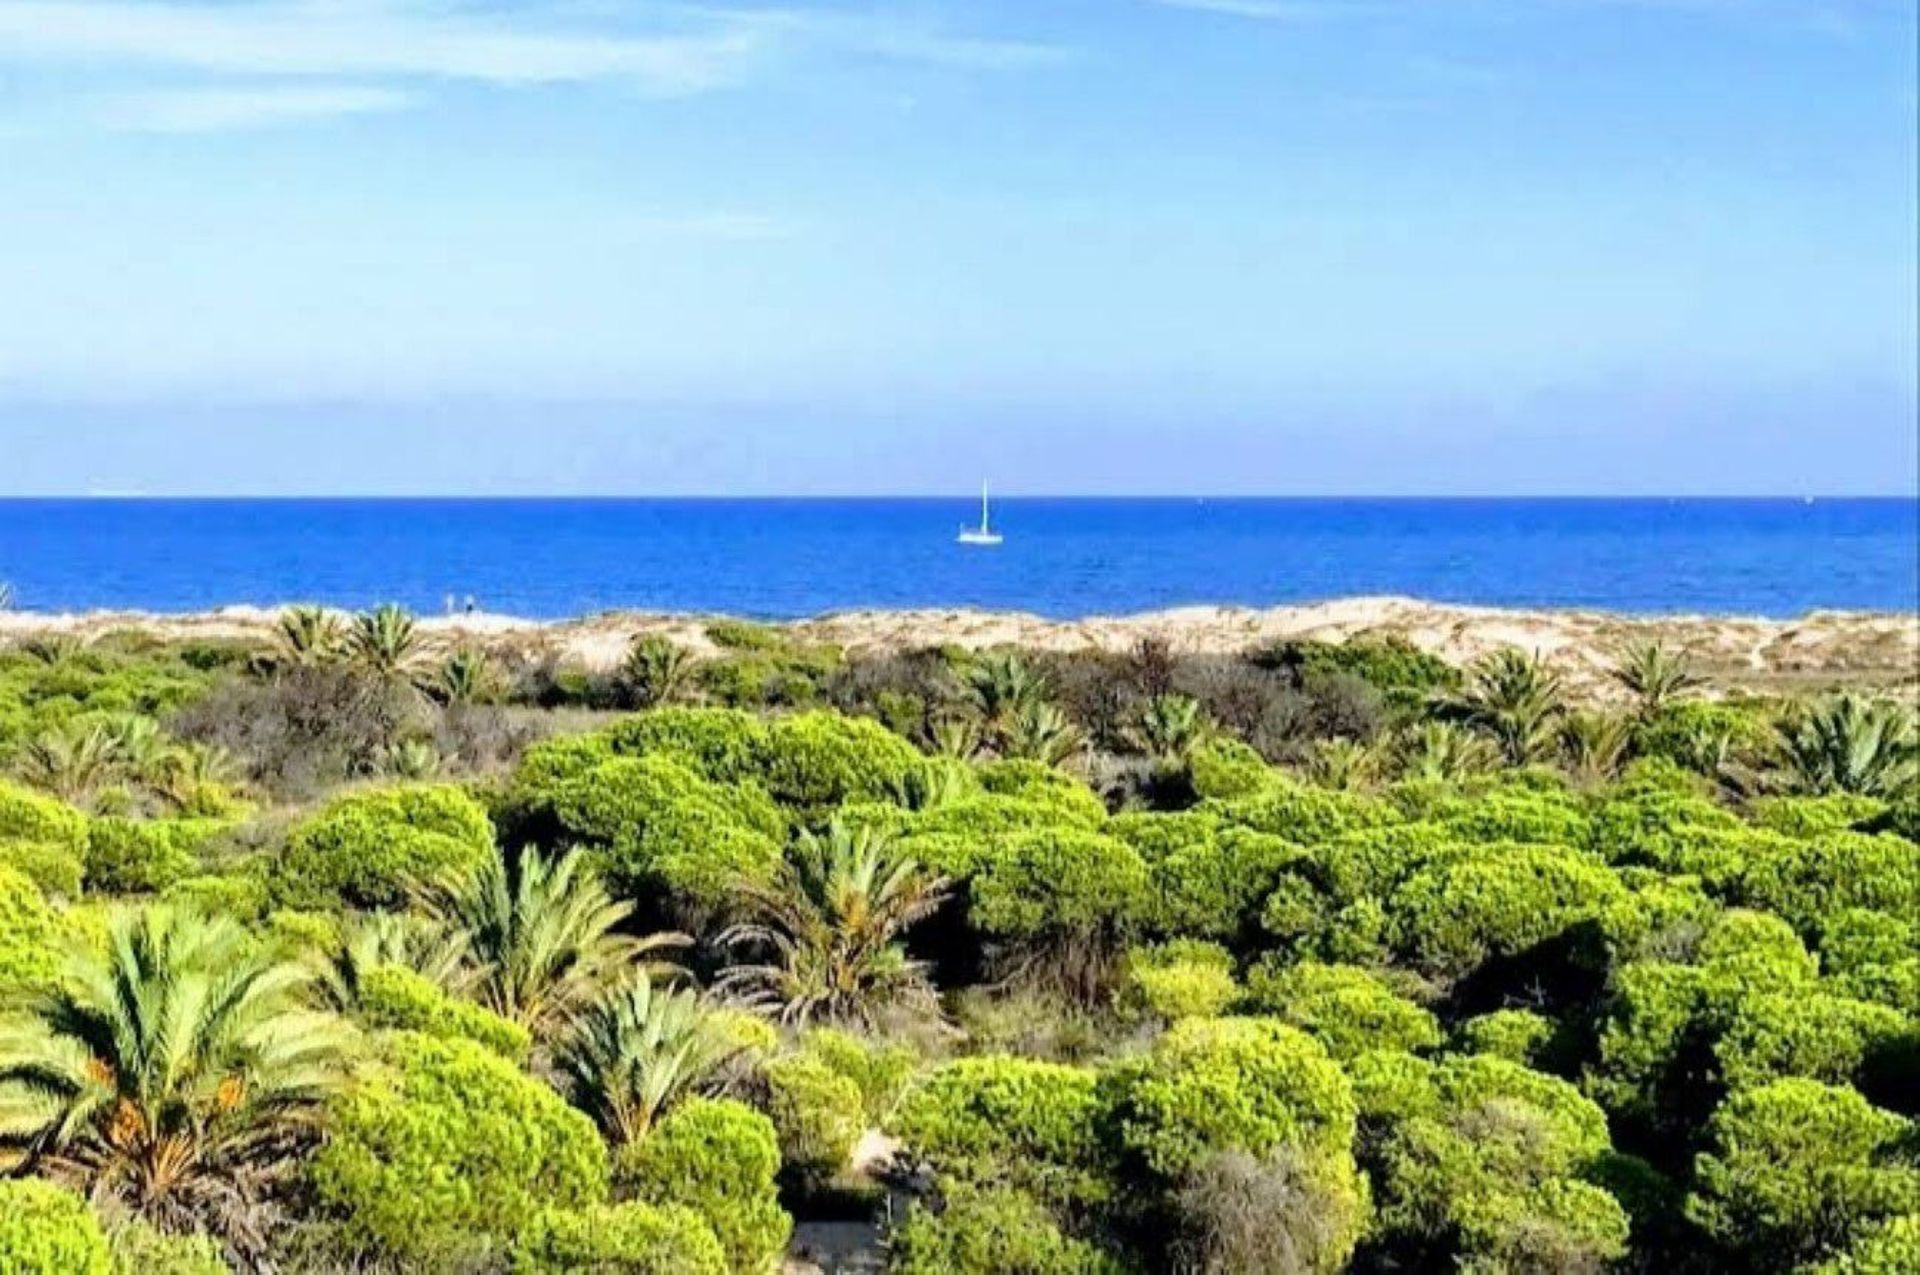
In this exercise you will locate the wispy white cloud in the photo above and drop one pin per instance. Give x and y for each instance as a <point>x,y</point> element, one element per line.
<point>220,110</point>
<point>392,52</point>
<point>1829,14</point>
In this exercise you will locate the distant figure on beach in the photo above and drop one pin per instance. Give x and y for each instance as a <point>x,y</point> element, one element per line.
<point>470,604</point>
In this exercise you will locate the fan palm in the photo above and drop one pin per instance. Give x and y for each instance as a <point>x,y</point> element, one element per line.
<point>1515,700</point>
<point>955,736</point>
<point>1654,677</point>
<point>1039,731</point>
<point>1169,728</point>
<point>656,671</point>
<point>635,1051</point>
<point>73,761</point>
<point>385,642</point>
<point>179,1069</point>
<point>542,936</point>
<point>55,649</point>
<point>1848,744</point>
<point>1000,685</point>
<point>467,676</point>
<point>307,636</point>
<point>829,926</point>
<point>1595,745</point>
<point>1343,764</point>
<point>1445,753</point>
<point>387,939</point>
<point>411,759</point>
<point>196,778</point>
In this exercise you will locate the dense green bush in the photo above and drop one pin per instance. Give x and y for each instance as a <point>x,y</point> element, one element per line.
<point>28,935</point>
<point>1216,886</point>
<point>661,826</point>
<point>451,1146</point>
<point>1348,1009</point>
<point>1060,890</point>
<point>57,872</point>
<point>1517,1035</point>
<point>1307,815</point>
<point>1795,1169</point>
<point>137,856</point>
<point>1498,900</point>
<point>718,1158</point>
<point>724,745</point>
<point>373,849</point>
<point>1042,785</point>
<point>991,1231</point>
<point>1891,1247</point>
<point>1224,769</point>
<point>880,1070</point>
<point>1187,978</point>
<point>999,1120</point>
<point>1247,1084</point>
<point>818,1115</point>
<point>47,1231</point>
<point>619,1239</point>
<point>399,999</point>
<point>26,815</point>
<point>1806,882</point>
<point>815,760</point>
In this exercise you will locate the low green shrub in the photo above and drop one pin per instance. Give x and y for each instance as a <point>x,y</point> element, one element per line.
<point>373,849</point>
<point>882,1071</point>
<point>29,932</point>
<point>132,856</point>
<point>1000,1120</point>
<point>990,1231</point>
<point>1186,978</point>
<point>47,1231</point>
<point>818,1115</point>
<point>395,998</point>
<point>450,1147</point>
<point>619,1239</point>
<point>720,1159</point>
<point>56,871</point>
<point>1348,1009</point>
<point>140,1249</point>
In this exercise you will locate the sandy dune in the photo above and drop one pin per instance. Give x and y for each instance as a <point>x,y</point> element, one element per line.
<point>1876,649</point>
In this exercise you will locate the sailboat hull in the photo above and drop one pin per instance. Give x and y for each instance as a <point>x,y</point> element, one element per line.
<point>979,537</point>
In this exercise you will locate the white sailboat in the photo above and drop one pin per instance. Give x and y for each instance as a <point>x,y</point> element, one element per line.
<point>984,534</point>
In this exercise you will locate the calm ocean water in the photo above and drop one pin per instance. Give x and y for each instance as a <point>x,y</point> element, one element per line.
<point>1065,558</point>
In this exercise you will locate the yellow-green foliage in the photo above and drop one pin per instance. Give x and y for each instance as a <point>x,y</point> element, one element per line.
<point>882,1071</point>
<point>1224,769</point>
<point>1808,882</point>
<point>1187,978</point>
<point>372,849</point>
<point>818,1115</point>
<point>815,760</point>
<point>630,1239</point>
<point>997,1120</point>
<point>26,815</point>
<point>1215,885</point>
<point>1498,900</point>
<point>1307,815</point>
<point>1059,885</point>
<point>1517,1035</point>
<point>991,1231</point>
<point>140,1249</point>
<point>1814,816</point>
<point>662,826</point>
<point>725,745</point>
<point>28,930</point>
<point>1794,1166</point>
<point>1348,1009</point>
<point>57,872</point>
<point>718,1158</point>
<point>395,998</point>
<point>450,1147</point>
<point>1873,956</point>
<point>47,1231</point>
<point>1891,1247</point>
<point>129,856</point>
<point>1043,785</point>
<point>1482,1153</point>
<point>1245,1084</point>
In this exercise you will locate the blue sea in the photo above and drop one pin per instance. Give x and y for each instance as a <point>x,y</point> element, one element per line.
<point>1062,557</point>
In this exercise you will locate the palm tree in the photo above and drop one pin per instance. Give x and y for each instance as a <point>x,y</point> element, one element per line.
<point>1039,731</point>
<point>308,636</point>
<point>542,936</point>
<point>1653,677</point>
<point>412,759</point>
<point>1000,685</point>
<point>1595,745</point>
<point>955,736</point>
<point>637,1050</point>
<point>1169,728</point>
<point>179,1070</point>
<point>1847,744</point>
<point>55,649</point>
<point>1445,753</point>
<point>1515,700</point>
<point>385,642</point>
<point>73,761</point>
<point>656,671</point>
<point>139,745</point>
<point>196,778</point>
<point>1344,765</point>
<point>387,939</point>
<point>467,676</point>
<point>829,926</point>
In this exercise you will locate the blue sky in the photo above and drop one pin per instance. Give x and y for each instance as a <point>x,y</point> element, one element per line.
<point>1235,246</point>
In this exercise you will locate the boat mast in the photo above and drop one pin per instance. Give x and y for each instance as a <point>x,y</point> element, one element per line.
<point>983,505</point>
